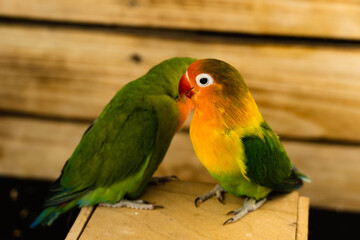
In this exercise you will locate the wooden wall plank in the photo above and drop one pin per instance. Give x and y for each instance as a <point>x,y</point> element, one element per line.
<point>302,91</point>
<point>320,18</point>
<point>36,149</point>
<point>33,148</point>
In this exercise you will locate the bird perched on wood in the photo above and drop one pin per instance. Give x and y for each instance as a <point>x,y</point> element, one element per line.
<point>123,147</point>
<point>231,138</point>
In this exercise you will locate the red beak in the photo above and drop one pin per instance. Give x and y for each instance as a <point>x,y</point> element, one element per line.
<point>185,87</point>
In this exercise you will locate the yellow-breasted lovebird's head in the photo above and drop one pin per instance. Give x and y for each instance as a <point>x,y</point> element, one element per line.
<point>212,80</point>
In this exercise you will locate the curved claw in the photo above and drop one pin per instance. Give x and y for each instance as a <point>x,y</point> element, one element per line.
<point>162,180</point>
<point>221,200</point>
<point>230,220</point>
<point>157,206</point>
<point>197,201</point>
<point>174,177</point>
<point>231,213</point>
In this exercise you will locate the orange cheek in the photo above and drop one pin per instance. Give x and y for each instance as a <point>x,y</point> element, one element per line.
<point>184,106</point>
<point>204,96</point>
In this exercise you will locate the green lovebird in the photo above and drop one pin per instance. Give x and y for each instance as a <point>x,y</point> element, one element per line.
<point>123,147</point>
<point>231,138</point>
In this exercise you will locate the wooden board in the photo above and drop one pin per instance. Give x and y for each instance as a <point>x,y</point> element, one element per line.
<point>33,148</point>
<point>302,227</point>
<point>80,223</point>
<point>302,91</point>
<point>276,219</point>
<point>332,19</point>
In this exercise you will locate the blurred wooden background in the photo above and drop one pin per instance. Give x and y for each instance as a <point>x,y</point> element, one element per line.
<point>61,61</point>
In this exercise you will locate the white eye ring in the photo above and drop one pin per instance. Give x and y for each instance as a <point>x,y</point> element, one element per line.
<point>204,80</point>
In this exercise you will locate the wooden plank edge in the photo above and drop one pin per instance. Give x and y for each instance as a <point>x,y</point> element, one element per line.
<point>80,223</point>
<point>302,219</point>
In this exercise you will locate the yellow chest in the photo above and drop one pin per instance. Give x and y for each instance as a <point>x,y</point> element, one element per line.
<point>218,150</point>
<point>216,136</point>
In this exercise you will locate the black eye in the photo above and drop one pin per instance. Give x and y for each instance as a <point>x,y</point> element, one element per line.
<point>203,80</point>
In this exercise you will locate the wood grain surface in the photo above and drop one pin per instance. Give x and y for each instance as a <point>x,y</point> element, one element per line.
<point>302,226</point>
<point>319,18</point>
<point>302,91</point>
<point>180,219</point>
<point>80,223</point>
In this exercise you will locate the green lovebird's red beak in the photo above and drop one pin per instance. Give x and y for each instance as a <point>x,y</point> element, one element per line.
<point>185,87</point>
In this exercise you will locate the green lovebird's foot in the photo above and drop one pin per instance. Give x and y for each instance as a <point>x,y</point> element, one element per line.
<point>250,204</point>
<point>162,180</point>
<point>136,204</point>
<point>218,190</point>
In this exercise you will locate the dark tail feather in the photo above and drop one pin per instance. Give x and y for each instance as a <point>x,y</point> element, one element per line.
<point>293,182</point>
<point>48,216</point>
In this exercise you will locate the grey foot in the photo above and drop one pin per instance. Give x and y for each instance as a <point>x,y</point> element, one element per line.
<point>162,180</point>
<point>250,204</point>
<point>136,204</point>
<point>218,190</point>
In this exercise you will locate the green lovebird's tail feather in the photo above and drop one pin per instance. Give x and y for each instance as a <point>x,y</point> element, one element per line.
<point>51,213</point>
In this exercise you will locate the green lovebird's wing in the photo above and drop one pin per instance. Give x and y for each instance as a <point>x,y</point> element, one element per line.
<point>115,147</point>
<point>267,163</point>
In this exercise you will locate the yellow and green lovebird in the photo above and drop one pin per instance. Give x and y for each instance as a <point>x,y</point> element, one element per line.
<point>121,150</point>
<point>231,138</point>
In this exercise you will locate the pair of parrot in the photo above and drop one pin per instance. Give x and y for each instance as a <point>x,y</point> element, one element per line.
<point>122,148</point>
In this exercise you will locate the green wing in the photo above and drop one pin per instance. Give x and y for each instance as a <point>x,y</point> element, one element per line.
<point>114,147</point>
<point>267,163</point>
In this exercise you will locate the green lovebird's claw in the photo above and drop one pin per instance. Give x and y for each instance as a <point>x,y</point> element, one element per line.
<point>136,204</point>
<point>162,180</point>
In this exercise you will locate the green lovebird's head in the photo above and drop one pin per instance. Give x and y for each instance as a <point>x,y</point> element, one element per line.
<point>166,75</point>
